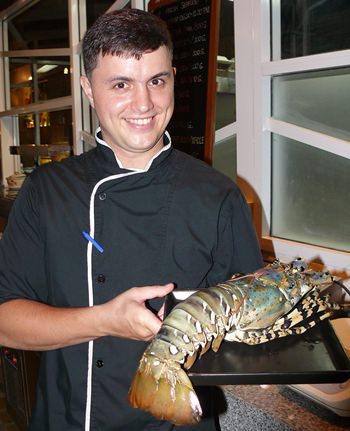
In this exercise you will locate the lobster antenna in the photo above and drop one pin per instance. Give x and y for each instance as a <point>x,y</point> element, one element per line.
<point>342,285</point>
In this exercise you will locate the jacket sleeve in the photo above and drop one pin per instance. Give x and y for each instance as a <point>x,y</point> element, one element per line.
<point>237,249</point>
<point>22,255</point>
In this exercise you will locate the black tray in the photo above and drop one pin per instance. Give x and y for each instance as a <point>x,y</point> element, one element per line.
<point>314,357</point>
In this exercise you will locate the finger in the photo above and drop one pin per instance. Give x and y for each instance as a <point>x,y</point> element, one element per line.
<point>166,288</point>
<point>153,324</point>
<point>150,292</point>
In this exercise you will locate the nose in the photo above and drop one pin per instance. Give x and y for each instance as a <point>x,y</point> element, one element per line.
<point>142,99</point>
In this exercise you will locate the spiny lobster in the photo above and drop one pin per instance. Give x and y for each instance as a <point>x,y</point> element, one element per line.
<point>255,308</point>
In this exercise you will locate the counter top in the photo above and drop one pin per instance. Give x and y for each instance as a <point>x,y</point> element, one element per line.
<point>276,408</point>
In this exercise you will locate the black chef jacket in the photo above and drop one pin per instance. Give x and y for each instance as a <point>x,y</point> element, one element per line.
<point>177,221</point>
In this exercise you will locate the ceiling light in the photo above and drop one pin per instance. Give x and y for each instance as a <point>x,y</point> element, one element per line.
<point>46,68</point>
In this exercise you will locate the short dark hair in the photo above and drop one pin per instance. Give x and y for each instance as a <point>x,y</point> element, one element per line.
<point>124,33</point>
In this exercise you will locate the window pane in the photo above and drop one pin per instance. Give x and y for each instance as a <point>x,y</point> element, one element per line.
<point>316,100</point>
<point>225,79</point>
<point>224,157</point>
<point>42,25</point>
<point>37,79</point>
<point>310,195</point>
<point>95,8</point>
<point>313,27</point>
<point>47,129</point>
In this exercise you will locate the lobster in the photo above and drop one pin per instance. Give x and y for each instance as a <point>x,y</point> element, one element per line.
<point>276,301</point>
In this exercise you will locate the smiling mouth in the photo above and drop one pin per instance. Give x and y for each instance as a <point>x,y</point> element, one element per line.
<point>139,121</point>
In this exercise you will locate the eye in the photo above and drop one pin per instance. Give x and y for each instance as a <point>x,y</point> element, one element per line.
<point>121,85</point>
<point>156,82</point>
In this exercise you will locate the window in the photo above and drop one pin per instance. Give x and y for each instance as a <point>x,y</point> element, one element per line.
<point>224,151</point>
<point>95,8</point>
<point>43,136</point>
<point>310,184</point>
<point>37,79</point>
<point>311,27</point>
<point>316,100</point>
<point>36,107</point>
<point>41,24</point>
<point>293,133</point>
<point>310,195</point>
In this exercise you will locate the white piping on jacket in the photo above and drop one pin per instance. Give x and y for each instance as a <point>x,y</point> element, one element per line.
<point>89,262</point>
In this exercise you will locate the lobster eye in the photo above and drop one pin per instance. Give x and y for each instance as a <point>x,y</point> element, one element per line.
<point>326,273</point>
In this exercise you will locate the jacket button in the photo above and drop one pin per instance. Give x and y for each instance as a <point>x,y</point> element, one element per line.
<point>102,196</point>
<point>99,363</point>
<point>101,278</point>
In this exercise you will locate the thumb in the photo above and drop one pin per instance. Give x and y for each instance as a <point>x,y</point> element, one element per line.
<point>166,288</point>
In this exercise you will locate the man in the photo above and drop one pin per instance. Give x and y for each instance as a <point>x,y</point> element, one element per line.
<point>86,233</point>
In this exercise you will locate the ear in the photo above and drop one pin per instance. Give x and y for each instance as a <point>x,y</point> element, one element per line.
<point>174,71</point>
<point>85,83</point>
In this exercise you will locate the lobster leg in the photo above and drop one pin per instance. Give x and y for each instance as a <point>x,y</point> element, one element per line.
<point>314,310</point>
<point>269,335</point>
<point>309,308</point>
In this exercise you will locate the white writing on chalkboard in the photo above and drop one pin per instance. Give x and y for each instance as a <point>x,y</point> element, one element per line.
<point>194,140</point>
<point>188,67</point>
<point>196,66</point>
<point>184,4</point>
<point>197,140</point>
<point>203,25</point>
<point>199,39</point>
<point>198,52</point>
<point>192,39</point>
<point>189,15</point>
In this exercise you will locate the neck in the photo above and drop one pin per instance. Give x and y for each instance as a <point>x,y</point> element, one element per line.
<point>137,160</point>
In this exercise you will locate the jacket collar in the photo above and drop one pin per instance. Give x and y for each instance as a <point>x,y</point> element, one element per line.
<point>111,158</point>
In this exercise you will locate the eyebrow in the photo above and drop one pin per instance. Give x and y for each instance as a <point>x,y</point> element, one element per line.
<point>128,79</point>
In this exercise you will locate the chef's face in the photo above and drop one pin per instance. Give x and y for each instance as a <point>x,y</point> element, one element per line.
<point>134,101</point>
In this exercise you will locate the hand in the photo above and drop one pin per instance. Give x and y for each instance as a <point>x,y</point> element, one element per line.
<point>127,315</point>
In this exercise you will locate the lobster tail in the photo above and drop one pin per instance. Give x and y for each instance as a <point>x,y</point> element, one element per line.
<point>165,391</point>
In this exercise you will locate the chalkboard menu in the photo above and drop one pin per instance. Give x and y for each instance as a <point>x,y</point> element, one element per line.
<point>194,28</point>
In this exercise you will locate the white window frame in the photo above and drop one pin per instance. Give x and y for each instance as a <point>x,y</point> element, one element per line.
<point>254,71</point>
<point>9,116</point>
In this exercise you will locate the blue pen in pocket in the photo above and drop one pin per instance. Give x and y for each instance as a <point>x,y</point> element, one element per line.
<point>93,242</point>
